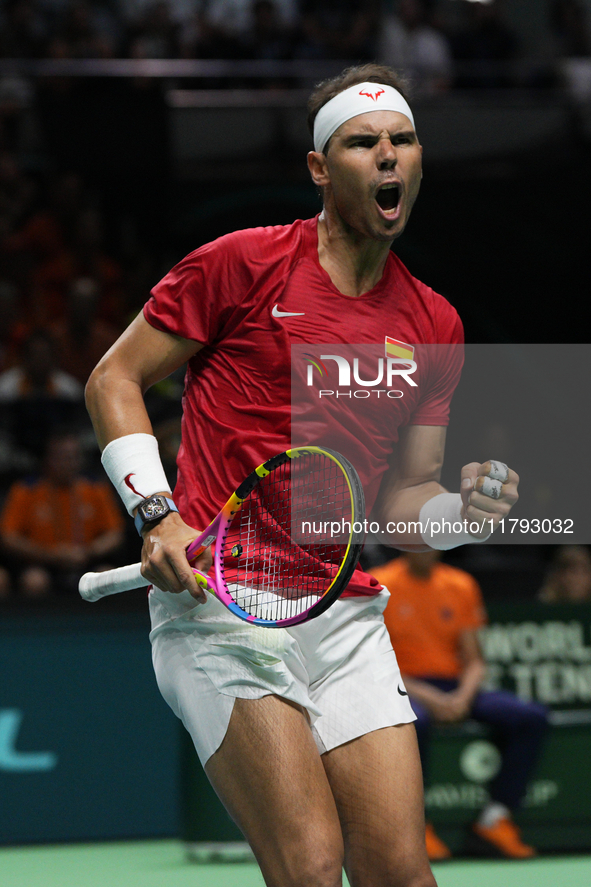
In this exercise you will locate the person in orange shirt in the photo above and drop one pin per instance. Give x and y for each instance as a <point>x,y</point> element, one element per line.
<point>433,617</point>
<point>58,525</point>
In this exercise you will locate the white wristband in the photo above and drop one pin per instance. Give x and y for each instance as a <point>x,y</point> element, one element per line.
<point>134,468</point>
<point>442,525</point>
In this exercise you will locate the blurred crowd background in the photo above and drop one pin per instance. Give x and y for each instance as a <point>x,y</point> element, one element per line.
<point>95,207</point>
<point>430,39</point>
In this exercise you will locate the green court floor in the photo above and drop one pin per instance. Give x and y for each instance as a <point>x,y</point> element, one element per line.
<point>158,863</point>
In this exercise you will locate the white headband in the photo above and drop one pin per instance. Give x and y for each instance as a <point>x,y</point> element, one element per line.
<point>359,99</point>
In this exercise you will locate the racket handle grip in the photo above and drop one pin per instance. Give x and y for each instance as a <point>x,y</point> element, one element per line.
<point>93,586</point>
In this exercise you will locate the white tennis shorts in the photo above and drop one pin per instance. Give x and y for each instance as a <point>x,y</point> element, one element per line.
<point>340,666</point>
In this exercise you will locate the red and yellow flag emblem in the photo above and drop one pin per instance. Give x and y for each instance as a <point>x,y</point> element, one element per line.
<point>396,348</point>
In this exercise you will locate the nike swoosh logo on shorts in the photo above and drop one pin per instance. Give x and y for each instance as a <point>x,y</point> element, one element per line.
<point>402,692</point>
<point>277,313</point>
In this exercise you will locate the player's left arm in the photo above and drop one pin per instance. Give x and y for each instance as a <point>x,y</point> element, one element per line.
<point>488,491</point>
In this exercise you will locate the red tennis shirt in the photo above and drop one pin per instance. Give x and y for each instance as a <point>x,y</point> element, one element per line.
<point>250,296</point>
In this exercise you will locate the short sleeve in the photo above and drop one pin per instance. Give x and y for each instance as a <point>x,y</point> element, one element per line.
<point>445,368</point>
<point>197,298</point>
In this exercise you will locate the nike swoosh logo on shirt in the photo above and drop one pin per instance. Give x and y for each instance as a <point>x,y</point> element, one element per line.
<point>277,313</point>
<point>402,692</point>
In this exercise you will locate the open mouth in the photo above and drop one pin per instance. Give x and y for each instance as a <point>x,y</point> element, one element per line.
<point>388,196</point>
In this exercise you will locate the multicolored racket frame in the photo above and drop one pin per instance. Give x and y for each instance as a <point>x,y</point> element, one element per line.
<point>288,540</point>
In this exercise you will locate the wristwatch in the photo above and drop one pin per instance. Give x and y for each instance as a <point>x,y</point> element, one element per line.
<point>151,510</point>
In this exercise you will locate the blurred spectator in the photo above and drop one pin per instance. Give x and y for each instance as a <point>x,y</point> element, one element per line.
<point>222,28</point>
<point>237,18</point>
<point>45,232</point>
<point>36,397</point>
<point>180,11</point>
<point>19,131</point>
<point>88,30</point>
<point>433,617</point>
<point>12,332</point>
<point>484,47</point>
<point>155,33</point>
<point>194,35</point>
<point>81,337</point>
<point>199,38</point>
<point>568,581</point>
<point>240,29</point>
<point>48,229</point>
<point>569,27</point>
<point>138,261</point>
<point>23,29</point>
<point>16,193</point>
<point>59,525</point>
<point>268,35</point>
<point>12,328</point>
<point>338,29</point>
<point>409,45</point>
<point>82,256</point>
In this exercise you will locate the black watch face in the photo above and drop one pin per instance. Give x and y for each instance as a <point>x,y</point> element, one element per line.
<point>154,508</point>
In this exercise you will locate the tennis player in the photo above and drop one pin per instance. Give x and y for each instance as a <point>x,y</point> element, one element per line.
<point>306,734</point>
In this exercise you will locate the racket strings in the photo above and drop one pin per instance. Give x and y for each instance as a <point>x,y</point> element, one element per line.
<point>285,546</point>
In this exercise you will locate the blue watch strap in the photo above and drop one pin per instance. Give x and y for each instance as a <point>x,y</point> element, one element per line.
<point>140,523</point>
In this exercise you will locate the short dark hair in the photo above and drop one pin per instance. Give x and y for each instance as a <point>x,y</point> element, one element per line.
<point>368,73</point>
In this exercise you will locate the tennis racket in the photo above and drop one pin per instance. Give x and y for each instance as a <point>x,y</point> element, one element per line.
<point>285,544</point>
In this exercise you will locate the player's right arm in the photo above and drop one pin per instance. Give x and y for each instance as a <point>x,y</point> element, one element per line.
<point>115,393</point>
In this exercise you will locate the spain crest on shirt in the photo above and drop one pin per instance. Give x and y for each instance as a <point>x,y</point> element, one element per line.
<point>401,350</point>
